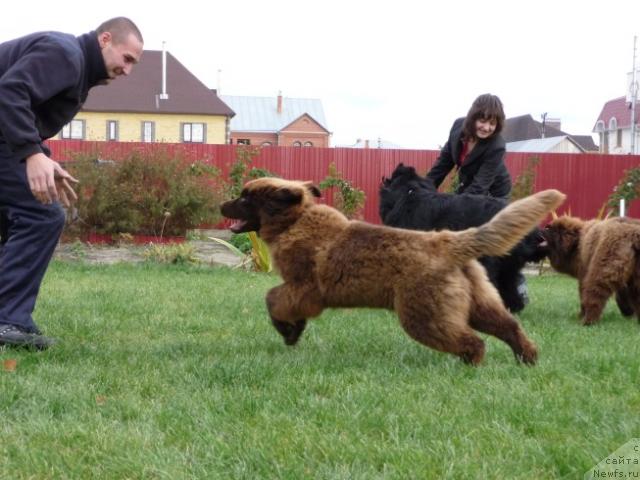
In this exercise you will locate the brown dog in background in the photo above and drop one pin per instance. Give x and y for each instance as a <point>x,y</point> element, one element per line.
<point>604,255</point>
<point>431,279</point>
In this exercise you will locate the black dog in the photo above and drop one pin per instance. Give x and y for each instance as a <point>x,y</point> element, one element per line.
<point>410,201</point>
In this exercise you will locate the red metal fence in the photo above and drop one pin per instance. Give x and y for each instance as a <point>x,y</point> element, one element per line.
<point>587,179</point>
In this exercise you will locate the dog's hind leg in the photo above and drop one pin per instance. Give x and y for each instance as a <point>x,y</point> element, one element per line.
<point>488,315</point>
<point>497,321</point>
<point>594,294</point>
<point>440,328</point>
<point>289,308</point>
<point>624,302</point>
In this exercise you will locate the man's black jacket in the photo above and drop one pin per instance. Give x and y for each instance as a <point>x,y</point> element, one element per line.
<point>45,78</point>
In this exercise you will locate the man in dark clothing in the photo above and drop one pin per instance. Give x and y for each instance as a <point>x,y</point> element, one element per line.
<point>45,78</point>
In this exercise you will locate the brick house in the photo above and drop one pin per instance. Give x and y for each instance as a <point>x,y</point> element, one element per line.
<point>278,121</point>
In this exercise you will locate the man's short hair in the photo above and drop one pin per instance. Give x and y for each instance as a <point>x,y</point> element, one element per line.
<point>120,28</point>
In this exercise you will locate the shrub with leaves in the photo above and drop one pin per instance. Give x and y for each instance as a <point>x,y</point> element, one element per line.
<point>628,189</point>
<point>241,170</point>
<point>148,194</point>
<point>524,183</point>
<point>241,241</point>
<point>346,198</point>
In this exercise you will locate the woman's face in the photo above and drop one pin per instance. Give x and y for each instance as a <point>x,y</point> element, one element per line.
<point>485,128</point>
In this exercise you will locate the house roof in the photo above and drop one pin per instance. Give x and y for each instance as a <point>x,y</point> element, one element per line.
<point>260,114</point>
<point>540,145</point>
<point>621,110</point>
<point>524,127</point>
<point>139,92</point>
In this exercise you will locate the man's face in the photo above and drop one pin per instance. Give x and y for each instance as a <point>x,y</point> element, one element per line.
<point>119,58</point>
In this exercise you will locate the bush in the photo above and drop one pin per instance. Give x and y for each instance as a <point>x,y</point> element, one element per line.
<point>145,193</point>
<point>242,242</point>
<point>628,189</point>
<point>523,185</point>
<point>346,198</point>
<point>241,171</point>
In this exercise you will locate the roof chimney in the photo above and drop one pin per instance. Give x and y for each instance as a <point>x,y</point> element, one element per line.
<point>164,95</point>
<point>279,102</point>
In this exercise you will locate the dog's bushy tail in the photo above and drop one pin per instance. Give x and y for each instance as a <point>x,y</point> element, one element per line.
<point>506,229</point>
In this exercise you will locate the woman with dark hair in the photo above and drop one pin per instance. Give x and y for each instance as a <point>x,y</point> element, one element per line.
<point>476,148</point>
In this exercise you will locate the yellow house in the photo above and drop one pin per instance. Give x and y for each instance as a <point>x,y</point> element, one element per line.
<point>160,101</point>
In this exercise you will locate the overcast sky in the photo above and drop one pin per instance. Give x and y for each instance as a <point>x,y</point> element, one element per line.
<point>399,70</point>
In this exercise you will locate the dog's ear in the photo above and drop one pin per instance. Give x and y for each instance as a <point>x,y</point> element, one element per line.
<point>315,191</point>
<point>287,196</point>
<point>281,199</point>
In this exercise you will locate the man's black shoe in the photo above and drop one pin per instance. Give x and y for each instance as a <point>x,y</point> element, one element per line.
<point>13,336</point>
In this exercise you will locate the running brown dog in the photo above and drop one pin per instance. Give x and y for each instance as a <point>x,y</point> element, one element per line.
<point>604,255</point>
<point>431,279</point>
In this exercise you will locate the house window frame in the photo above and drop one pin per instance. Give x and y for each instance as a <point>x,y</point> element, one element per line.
<point>116,131</point>
<point>243,141</point>
<point>186,132</point>
<point>619,138</point>
<point>613,123</point>
<point>68,132</point>
<point>307,144</point>
<point>297,143</point>
<point>152,132</point>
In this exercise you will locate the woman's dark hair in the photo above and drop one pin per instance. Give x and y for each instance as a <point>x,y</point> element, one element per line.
<point>485,107</point>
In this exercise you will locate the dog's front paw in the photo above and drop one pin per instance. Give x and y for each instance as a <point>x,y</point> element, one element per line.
<point>529,355</point>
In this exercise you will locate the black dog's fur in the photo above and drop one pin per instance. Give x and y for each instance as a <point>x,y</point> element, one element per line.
<point>410,201</point>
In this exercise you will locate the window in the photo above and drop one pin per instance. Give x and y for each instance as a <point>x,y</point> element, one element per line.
<point>297,144</point>
<point>148,132</point>
<point>613,123</point>
<point>112,131</point>
<point>73,130</point>
<point>266,144</point>
<point>193,132</point>
<point>599,126</point>
<point>308,144</point>
<point>619,137</point>
<point>243,141</point>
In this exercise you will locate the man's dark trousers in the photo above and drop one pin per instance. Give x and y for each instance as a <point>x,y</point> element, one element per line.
<point>30,234</point>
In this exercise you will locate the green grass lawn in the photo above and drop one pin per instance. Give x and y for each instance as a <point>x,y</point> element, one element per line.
<point>176,372</point>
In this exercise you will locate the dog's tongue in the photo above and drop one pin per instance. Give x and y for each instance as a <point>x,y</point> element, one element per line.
<point>237,227</point>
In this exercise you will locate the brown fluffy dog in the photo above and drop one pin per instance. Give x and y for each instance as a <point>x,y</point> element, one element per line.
<point>431,279</point>
<point>604,255</point>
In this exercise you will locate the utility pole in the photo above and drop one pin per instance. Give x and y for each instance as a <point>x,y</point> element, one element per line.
<point>634,99</point>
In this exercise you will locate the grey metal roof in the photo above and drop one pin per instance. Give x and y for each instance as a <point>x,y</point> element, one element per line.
<point>260,114</point>
<point>539,145</point>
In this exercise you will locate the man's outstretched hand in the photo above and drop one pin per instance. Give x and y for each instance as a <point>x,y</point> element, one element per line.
<point>49,182</point>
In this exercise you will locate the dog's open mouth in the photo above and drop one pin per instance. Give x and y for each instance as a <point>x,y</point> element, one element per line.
<point>239,226</point>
